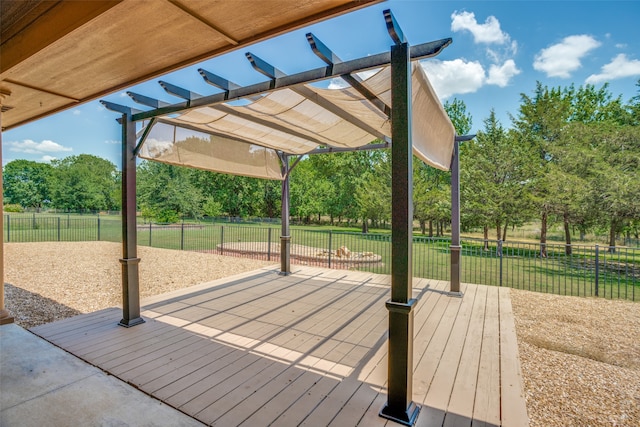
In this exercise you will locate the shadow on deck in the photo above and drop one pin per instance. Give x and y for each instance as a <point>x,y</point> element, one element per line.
<point>308,349</point>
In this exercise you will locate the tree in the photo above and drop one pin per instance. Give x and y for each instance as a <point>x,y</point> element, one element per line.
<point>165,192</point>
<point>373,195</point>
<point>431,196</point>
<point>27,183</point>
<point>309,191</point>
<point>615,183</point>
<point>540,122</point>
<point>344,172</point>
<point>495,171</point>
<point>457,112</point>
<point>432,187</point>
<point>85,182</point>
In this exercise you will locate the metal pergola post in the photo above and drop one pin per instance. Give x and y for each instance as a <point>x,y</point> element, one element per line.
<point>285,234</point>
<point>400,408</point>
<point>456,247</point>
<point>129,260</point>
<point>455,219</point>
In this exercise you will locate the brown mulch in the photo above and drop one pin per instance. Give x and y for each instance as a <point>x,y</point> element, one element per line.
<point>580,357</point>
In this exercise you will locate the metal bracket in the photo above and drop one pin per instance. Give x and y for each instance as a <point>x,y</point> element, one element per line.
<point>146,100</point>
<point>145,133</point>
<point>462,138</point>
<point>393,28</point>
<point>217,81</point>
<point>179,91</point>
<point>264,67</point>
<point>322,51</point>
<point>118,108</point>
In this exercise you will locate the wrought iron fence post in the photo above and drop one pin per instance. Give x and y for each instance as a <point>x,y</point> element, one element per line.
<point>182,236</point>
<point>500,256</point>
<point>98,227</point>
<point>597,268</point>
<point>330,235</point>
<point>269,244</point>
<point>221,239</point>
<point>150,228</point>
<point>8,228</point>
<point>59,229</point>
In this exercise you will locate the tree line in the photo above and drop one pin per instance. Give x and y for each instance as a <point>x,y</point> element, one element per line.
<point>570,156</point>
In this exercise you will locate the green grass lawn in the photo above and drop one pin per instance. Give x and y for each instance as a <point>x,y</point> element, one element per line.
<point>520,265</point>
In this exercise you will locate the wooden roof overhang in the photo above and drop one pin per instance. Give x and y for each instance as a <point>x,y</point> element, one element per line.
<point>55,55</point>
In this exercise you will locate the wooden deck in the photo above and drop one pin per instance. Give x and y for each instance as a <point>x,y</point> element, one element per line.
<point>309,349</point>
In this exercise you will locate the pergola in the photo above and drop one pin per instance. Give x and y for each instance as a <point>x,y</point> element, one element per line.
<point>288,117</point>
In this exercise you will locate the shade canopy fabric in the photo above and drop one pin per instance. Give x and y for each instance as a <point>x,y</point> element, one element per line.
<point>246,139</point>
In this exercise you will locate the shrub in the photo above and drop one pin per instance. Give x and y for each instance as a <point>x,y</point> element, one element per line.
<point>14,207</point>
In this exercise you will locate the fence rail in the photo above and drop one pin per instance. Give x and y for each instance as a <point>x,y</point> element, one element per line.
<point>579,270</point>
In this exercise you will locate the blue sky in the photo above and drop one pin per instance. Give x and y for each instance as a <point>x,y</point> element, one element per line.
<point>499,50</point>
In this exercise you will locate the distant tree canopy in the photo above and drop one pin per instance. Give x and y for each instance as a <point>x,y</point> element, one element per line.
<point>571,156</point>
<point>82,182</point>
<point>27,183</point>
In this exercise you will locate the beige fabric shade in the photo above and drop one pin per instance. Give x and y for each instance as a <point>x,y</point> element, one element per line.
<point>246,139</point>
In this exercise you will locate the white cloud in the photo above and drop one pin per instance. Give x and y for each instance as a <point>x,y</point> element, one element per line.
<point>77,112</point>
<point>31,147</point>
<point>47,159</point>
<point>619,67</point>
<point>454,77</point>
<point>112,141</point>
<point>460,76</point>
<point>488,33</point>
<point>501,75</point>
<point>560,59</point>
<point>337,83</point>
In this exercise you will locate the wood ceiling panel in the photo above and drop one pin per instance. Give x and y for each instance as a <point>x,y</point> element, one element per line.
<point>32,102</point>
<point>121,47</point>
<point>86,50</point>
<point>249,20</point>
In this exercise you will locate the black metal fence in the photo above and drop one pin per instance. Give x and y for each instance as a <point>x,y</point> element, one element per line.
<point>581,270</point>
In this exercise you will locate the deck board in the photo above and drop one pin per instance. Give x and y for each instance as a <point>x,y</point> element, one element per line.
<point>309,349</point>
<point>486,407</point>
<point>514,411</point>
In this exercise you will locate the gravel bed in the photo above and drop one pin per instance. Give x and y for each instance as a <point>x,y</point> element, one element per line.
<point>580,357</point>
<point>52,280</point>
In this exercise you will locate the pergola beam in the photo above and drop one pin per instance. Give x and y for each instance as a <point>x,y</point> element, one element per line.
<point>367,147</point>
<point>327,55</point>
<point>422,51</point>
